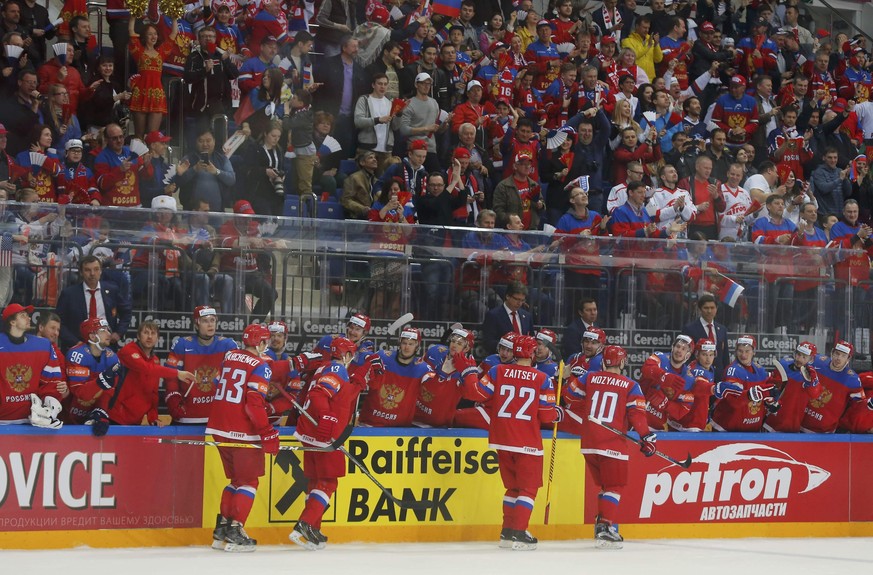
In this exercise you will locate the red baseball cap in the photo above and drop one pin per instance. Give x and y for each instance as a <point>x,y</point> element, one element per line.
<point>156,136</point>
<point>707,27</point>
<point>738,80</point>
<point>461,153</point>
<point>418,145</point>
<point>839,105</point>
<point>243,207</point>
<point>15,308</point>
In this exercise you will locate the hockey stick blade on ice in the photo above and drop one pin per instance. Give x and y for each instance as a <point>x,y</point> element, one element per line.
<point>683,464</point>
<point>404,503</point>
<point>400,322</point>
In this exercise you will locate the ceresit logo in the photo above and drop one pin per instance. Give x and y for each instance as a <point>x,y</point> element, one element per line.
<point>743,480</point>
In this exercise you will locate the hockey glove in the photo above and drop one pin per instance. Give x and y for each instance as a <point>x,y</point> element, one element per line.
<point>771,405</point>
<point>106,379</point>
<point>376,367</point>
<point>559,414</point>
<point>756,392</point>
<point>324,432</point>
<point>724,388</point>
<point>99,422</point>
<point>270,441</point>
<point>302,361</point>
<point>810,376</point>
<point>176,405</point>
<point>578,371</point>
<point>672,384</point>
<point>647,444</point>
<point>870,403</point>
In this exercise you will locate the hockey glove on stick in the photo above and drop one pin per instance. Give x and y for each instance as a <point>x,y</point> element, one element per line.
<point>324,432</point>
<point>647,444</point>
<point>270,441</point>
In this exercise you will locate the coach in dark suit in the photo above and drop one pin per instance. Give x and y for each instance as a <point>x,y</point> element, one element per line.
<point>700,329</point>
<point>586,316</point>
<point>110,303</point>
<point>507,317</point>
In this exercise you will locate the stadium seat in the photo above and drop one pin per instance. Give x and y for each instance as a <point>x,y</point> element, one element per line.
<point>347,166</point>
<point>292,207</point>
<point>330,211</point>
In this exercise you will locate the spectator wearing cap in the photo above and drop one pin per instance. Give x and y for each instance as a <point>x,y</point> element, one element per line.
<point>736,113</point>
<point>519,194</point>
<point>336,20</point>
<point>152,185</point>
<point>205,174</point>
<point>375,121</point>
<point>166,291</point>
<point>208,73</point>
<point>410,169</point>
<point>472,111</point>
<point>359,187</point>
<point>94,297</point>
<point>343,82</point>
<point>463,181</point>
<point>254,67</point>
<point>542,56</point>
<point>420,119</point>
<point>76,181</point>
<point>248,251</point>
<point>706,51</point>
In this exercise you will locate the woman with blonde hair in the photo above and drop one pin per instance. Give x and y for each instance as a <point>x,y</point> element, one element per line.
<point>621,119</point>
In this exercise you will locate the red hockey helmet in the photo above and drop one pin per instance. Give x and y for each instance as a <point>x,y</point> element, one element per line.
<point>465,335</point>
<point>613,355</point>
<point>410,333</point>
<point>203,311</point>
<point>807,348</point>
<point>278,327</point>
<point>547,336</point>
<point>705,345</point>
<point>508,340</point>
<point>845,347</point>
<point>360,320</point>
<point>596,334</point>
<point>747,339</point>
<point>93,325</point>
<point>340,346</point>
<point>254,334</point>
<point>524,346</point>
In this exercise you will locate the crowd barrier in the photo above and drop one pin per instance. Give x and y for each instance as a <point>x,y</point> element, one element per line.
<point>66,488</point>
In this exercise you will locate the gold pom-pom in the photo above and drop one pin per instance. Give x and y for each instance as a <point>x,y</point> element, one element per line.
<point>175,9</point>
<point>137,7</point>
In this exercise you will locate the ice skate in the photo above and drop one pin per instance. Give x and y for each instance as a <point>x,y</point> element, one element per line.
<point>221,525</point>
<point>237,540</point>
<point>307,536</point>
<point>523,541</point>
<point>506,538</point>
<point>606,536</point>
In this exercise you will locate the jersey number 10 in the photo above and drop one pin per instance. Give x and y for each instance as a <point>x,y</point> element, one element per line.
<point>603,405</point>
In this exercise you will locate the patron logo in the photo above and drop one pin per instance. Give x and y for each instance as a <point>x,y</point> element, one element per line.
<point>734,481</point>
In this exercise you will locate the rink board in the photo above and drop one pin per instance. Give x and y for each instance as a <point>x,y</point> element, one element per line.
<point>67,488</point>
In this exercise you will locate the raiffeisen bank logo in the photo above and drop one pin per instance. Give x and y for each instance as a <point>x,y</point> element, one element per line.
<point>734,481</point>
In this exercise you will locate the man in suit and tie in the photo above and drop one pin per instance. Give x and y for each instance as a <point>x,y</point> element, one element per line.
<point>706,327</point>
<point>507,317</point>
<point>586,316</point>
<point>89,299</point>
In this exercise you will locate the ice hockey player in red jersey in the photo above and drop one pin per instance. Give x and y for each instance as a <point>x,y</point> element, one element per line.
<point>618,401</point>
<point>744,396</point>
<point>201,354</point>
<point>593,342</point>
<point>438,398</point>
<point>841,388</point>
<point>664,379</point>
<point>858,417</point>
<point>92,370</point>
<point>520,398</point>
<point>239,415</point>
<point>701,389</point>
<point>797,382</point>
<point>325,403</point>
<point>29,390</point>
<point>390,401</point>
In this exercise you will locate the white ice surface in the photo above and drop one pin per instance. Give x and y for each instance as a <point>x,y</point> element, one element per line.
<point>652,557</point>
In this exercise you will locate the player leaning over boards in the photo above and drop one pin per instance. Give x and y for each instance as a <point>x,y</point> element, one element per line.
<point>617,401</point>
<point>329,406</point>
<point>519,398</point>
<point>239,415</point>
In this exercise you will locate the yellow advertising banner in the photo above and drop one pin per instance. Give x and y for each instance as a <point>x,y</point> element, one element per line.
<point>459,476</point>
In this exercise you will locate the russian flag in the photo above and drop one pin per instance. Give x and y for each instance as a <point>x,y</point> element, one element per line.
<point>450,8</point>
<point>730,292</point>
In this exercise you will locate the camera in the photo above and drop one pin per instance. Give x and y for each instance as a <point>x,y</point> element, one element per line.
<point>797,188</point>
<point>279,183</point>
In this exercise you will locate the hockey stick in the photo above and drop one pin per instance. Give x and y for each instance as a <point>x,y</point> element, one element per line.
<point>403,503</point>
<point>554,445</point>
<point>400,322</point>
<point>347,432</point>
<point>683,464</point>
<point>229,444</point>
